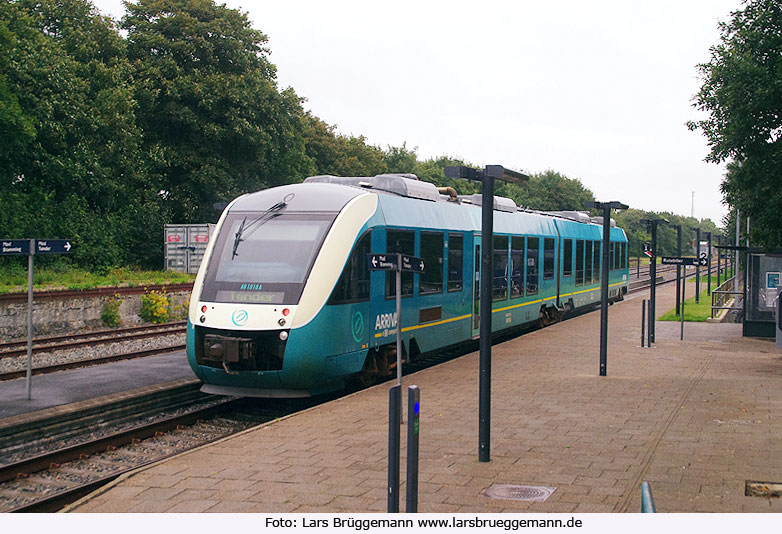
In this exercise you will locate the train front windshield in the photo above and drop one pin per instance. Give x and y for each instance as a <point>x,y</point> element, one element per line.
<point>264,259</point>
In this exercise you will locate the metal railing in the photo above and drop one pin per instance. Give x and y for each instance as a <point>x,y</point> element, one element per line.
<point>721,296</point>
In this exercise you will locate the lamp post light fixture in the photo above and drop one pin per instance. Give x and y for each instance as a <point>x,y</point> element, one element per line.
<point>486,176</point>
<point>606,207</point>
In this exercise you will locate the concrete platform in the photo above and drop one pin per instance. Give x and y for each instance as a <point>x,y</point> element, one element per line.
<point>696,419</point>
<point>64,390</point>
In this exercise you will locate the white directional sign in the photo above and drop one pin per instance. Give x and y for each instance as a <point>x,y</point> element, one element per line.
<point>53,246</point>
<point>394,262</point>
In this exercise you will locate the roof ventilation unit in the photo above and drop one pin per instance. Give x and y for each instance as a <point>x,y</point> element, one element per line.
<point>500,203</point>
<point>406,185</point>
<point>599,220</point>
<point>578,216</point>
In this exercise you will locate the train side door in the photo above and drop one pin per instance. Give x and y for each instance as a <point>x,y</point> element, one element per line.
<point>476,287</point>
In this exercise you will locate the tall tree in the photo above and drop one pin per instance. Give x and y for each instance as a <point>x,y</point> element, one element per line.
<point>215,124</point>
<point>74,166</point>
<point>742,96</point>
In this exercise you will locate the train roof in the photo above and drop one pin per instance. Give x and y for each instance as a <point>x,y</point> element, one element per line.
<point>409,186</point>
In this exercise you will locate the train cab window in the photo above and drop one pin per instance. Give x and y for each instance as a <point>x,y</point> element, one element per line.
<point>353,284</point>
<point>402,241</point>
<point>580,262</point>
<point>567,258</point>
<point>500,276</point>
<point>431,280</point>
<point>548,258</point>
<point>588,263</point>
<point>532,265</point>
<point>597,255</point>
<point>455,261</point>
<point>516,267</point>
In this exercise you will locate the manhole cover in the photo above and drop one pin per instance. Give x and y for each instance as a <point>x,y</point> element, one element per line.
<point>515,492</point>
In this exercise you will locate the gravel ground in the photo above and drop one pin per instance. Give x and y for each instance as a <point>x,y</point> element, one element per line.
<point>43,359</point>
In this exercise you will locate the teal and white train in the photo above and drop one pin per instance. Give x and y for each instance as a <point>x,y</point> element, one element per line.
<point>284,304</point>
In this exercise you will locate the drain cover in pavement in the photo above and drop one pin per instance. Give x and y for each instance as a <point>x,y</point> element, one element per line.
<point>519,493</point>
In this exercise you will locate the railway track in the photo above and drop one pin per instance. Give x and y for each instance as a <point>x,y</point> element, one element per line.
<point>75,364</point>
<point>46,344</point>
<point>73,459</point>
<point>97,292</point>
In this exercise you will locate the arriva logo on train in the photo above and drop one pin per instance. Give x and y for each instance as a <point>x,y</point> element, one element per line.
<point>240,317</point>
<point>384,322</point>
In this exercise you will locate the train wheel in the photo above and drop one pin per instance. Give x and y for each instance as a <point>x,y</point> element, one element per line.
<point>369,372</point>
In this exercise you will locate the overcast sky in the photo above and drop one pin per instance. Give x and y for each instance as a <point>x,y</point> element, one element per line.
<point>598,90</point>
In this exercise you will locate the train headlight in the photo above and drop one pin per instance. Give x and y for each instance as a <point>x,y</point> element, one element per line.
<point>281,322</point>
<point>283,335</point>
<point>203,318</point>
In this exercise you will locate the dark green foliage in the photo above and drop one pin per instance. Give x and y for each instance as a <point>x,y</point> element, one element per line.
<point>637,234</point>
<point>742,95</point>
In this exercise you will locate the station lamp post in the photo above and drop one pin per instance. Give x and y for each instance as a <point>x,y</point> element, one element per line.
<point>678,228</point>
<point>486,176</point>
<point>606,207</point>
<point>651,226</point>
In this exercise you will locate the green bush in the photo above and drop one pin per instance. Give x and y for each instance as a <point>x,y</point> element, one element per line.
<point>110,316</point>
<point>154,308</point>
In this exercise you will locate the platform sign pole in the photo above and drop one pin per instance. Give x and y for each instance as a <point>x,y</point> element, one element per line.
<point>29,375</point>
<point>681,316</point>
<point>697,267</point>
<point>708,269</point>
<point>399,323</point>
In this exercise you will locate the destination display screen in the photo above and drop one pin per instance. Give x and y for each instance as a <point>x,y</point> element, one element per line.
<point>251,297</point>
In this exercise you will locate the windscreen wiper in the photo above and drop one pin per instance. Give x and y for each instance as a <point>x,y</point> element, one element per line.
<point>259,221</point>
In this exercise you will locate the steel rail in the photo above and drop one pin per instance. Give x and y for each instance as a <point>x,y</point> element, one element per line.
<point>98,334</point>
<point>11,375</point>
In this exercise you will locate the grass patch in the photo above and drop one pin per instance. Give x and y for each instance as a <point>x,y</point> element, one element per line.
<point>697,313</point>
<point>13,278</point>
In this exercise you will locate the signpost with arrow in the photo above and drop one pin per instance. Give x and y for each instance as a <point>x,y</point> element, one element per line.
<point>395,262</point>
<point>31,247</point>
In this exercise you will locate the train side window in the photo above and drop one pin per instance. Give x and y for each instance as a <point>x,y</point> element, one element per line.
<point>580,262</point>
<point>567,258</point>
<point>455,261</point>
<point>516,267</point>
<point>623,260</point>
<point>402,241</point>
<point>598,255</point>
<point>548,258</point>
<point>353,283</point>
<point>612,256</point>
<point>500,276</point>
<point>588,263</point>
<point>532,265</point>
<point>431,280</point>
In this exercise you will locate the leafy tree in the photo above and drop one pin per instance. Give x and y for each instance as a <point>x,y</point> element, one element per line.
<point>742,95</point>
<point>215,124</point>
<point>67,72</point>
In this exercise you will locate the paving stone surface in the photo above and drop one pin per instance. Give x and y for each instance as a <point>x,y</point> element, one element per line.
<point>696,418</point>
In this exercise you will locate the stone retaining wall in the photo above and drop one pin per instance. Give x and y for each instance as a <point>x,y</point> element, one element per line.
<point>60,316</point>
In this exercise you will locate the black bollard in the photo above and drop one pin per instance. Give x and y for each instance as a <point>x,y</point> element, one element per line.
<point>394,420</point>
<point>413,413</point>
